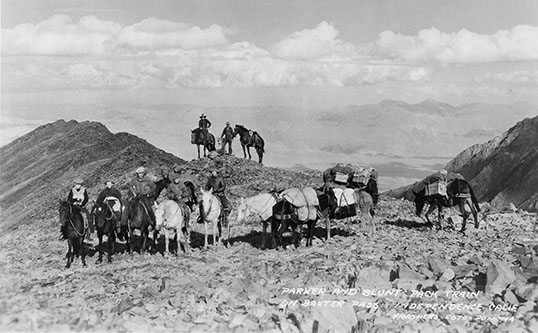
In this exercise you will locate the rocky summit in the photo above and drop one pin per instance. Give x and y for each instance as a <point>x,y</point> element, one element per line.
<point>406,277</point>
<point>38,168</point>
<point>504,170</point>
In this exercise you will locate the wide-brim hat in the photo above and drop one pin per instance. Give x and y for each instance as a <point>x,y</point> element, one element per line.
<point>202,115</point>
<point>227,123</point>
<point>141,170</point>
<point>109,180</point>
<point>78,181</point>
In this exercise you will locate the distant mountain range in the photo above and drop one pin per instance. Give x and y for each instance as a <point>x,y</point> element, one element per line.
<point>502,170</point>
<point>39,167</point>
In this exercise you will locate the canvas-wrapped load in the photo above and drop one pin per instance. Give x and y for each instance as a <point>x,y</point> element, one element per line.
<point>361,176</point>
<point>344,197</point>
<point>436,183</point>
<point>342,173</point>
<point>305,200</point>
<point>344,211</point>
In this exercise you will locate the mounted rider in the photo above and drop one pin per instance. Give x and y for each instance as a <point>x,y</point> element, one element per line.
<point>227,137</point>
<point>110,193</point>
<point>78,196</point>
<point>180,193</point>
<point>204,123</point>
<point>216,183</point>
<point>141,187</point>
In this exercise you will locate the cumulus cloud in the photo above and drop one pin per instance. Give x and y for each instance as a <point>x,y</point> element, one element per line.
<point>59,35</point>
<point>519,43</point>
<point>320,42</point>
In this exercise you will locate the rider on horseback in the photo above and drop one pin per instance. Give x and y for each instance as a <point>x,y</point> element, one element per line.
<point>216,183</point>
<point>203,123</point>
<point>78,196</point>
<point>110,193</point>
<point>227,137</point>
<point>141,187</point>
<point>180,193</point>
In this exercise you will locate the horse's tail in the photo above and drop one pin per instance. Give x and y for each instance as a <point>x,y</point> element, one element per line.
<point>473,197</point>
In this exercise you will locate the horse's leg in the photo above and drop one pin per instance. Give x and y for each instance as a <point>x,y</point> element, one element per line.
<point>166,242</point>
<point>264,223</point>
<point>439,216</point>
<point>274,232</point>
<point>69,254</point>
<point>461,205</point>
<point>260,155</point>
<point>431,208</point>
<point>244,150</point>
<point>82,252</point>
<point>205,235</point>
<point>131,234</point>
<point>111,242</point>
<point>328,225</point>
<point>248,151</point>
<point>473,211</point>
<point>310,236</point>
<point>100,236</point>
<point>144,232</point>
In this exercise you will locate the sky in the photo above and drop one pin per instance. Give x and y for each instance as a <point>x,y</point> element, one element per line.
<point>248,52</point>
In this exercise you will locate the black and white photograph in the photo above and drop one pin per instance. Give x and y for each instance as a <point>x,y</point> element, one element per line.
<point>269,166</point>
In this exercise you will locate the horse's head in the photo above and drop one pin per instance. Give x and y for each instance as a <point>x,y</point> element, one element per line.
<point>64,210</point>
<point>159,216</point>
<point>242,210</point>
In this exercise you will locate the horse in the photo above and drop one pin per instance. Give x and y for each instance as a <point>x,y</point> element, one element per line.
<point>138,218</point>
<point>211,213</point>
<point>327,206</point>
<point>284,216</point>
<point>73,230</point>
<point>106,220</point>
<point>169,216</point>
<point>260,205</point>
<point>459,193</point>
<point>201,137</point>
<point>353,202</point>
<point>250,139</point>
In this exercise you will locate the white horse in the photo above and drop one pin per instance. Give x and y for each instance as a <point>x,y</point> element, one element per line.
<point>169,216</point>
<point>261,205</point>
<point>210,212</point>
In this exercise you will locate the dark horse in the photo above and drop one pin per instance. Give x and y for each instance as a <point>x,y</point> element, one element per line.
<point>459,193</point>
<point>106,220</point>
<point>73,230</point>
<point>250,139</point>
<point>283,217</point>
<point>139,216</point>
<point>327,206</point>
<point>200,137</point>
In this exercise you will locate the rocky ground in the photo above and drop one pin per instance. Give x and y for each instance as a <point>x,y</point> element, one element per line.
<point>404,278</point>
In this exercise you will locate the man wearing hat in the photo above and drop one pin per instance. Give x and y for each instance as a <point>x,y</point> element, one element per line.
<point>203,123</point>
<point>78,196</point>
<point>180,193</point>
<point>110,193</point>
<point>227,137</point>
<point>216,183</point>
<point>142,186</point>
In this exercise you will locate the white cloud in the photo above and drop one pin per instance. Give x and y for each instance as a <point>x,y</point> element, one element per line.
<point>320,42</point>
<point>58,35</point>
<point>520,43</point>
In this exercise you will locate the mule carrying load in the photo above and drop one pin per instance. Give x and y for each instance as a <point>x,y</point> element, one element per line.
<point>343,179</point>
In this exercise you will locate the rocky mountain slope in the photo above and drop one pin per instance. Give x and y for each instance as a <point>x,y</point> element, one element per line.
<point>39,167</point>
<point>504,169</point>
<point>501,171</point>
